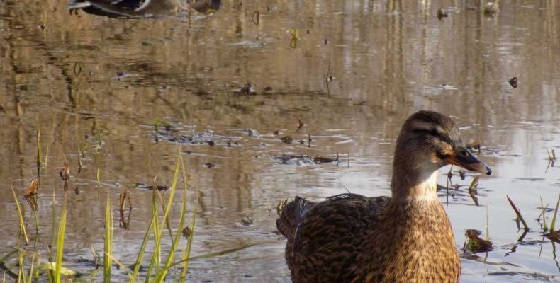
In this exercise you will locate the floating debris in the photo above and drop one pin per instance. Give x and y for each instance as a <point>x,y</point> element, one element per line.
<point>513,82</point>
<point>294,37</point>
<point>209,165</point>
<point>302,160</point>
<point>299,160</point>
<point>287,139</point>
<point>476,244</point>
<point>441,13</point>
<point>247,221</point>
<point>176,134</point>
<point>553,236</point>
<point>247,89</point>
<point>321,159</point>
<point>122,75</point>
<point>490,9</point>
<point>32,188</point>
<point>300,125</point>
<point>252,133</point>
<point>187,232</point>
<point>256,18</point>
<point>64,173</point>
<point>462,174</point>
<point>151,187</point>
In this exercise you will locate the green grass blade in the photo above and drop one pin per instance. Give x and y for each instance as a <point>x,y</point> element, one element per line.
<point>39,154</point>
<point>53,235</point>
<point>108,249</point>
<point>31,268</point>
<point>155,216</point>
<point>60,242</point>
<point>158,231</point>
<point>140,256</point>
<point>20,215</point>
<point>163,272</point>
<point>185,255</point>
<point>172,192</point>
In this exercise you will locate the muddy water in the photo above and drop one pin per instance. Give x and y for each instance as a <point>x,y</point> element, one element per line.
<point>350,71</point>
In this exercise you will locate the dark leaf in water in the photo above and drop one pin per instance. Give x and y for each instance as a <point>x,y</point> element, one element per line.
<point>476,244</point>
<point>187,232</point>
<point>287,139</point>
<point>65,173</point>
<point>513,82</point>
<point>32,188</point>
<point>320,159</point>
<point>247,89</point>
<point>150,187</point>
<point>300,125</point>
<point>462,174</point>
<point>490,9</point>
<point>441,13</point>
<point>246,221</point>
<point>554,236</point>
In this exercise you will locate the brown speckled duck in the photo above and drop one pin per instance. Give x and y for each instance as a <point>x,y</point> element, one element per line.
<point>404,238</point>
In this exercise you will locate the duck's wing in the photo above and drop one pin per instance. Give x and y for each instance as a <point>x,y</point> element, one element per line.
<point>325,237</point>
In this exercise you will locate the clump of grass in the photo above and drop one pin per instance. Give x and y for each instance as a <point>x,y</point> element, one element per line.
<point>158,268</point>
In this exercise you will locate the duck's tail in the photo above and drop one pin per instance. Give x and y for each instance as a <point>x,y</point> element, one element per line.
<point>291,215</point>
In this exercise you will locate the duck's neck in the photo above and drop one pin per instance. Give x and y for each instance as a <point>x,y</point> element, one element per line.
<point>414,183</point>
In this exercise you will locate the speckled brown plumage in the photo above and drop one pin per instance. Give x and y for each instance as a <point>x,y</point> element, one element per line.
<point>405,238</point>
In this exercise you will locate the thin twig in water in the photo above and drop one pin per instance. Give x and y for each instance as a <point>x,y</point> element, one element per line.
<point>553,221</point>
<point>518,213</point>
<point>472,190</point>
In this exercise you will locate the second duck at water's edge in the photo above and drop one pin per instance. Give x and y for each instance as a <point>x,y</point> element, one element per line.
<point>140,8</point>
<point>404,238</point>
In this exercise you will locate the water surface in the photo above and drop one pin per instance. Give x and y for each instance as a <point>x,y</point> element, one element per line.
<point>350,71</point>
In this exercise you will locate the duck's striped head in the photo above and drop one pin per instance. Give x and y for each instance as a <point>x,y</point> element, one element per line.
<point>433,136</point>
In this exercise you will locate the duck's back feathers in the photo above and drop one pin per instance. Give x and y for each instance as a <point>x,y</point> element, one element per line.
<point>325,236</point>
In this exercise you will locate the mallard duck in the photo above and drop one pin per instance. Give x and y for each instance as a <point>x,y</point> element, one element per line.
<point>403,238</point>
<point>138,8</point>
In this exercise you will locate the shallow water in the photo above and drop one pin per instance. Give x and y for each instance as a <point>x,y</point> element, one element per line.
<point>350,71</point>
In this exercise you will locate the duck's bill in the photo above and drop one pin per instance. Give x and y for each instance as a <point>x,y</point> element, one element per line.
<point>464,158</point>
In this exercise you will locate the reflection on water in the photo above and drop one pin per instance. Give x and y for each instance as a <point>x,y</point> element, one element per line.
<point>349,71</point>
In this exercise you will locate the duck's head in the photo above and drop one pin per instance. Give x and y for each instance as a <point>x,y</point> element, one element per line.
<point>428,140</point>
